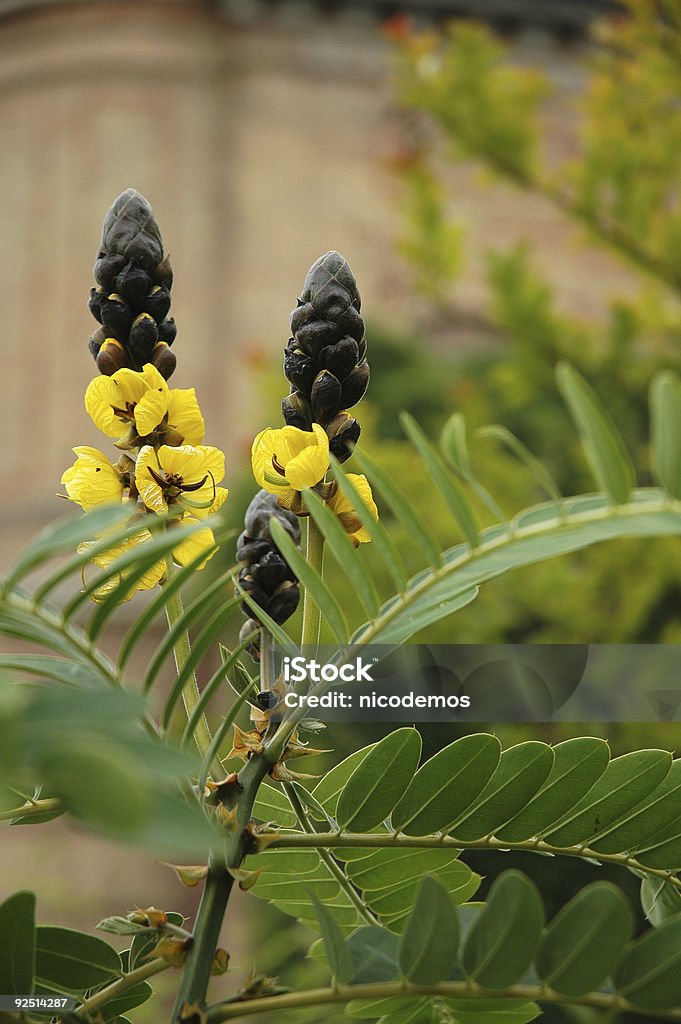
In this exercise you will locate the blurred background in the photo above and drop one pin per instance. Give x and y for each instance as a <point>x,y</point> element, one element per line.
<point>502,176</point>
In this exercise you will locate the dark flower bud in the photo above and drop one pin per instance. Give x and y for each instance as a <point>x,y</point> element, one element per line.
<point>163,359</point>
<point>328,277</point>
<point>116,316</point>
<point>95,301</point>
<point>96,341</point>
<point>325,397</point>
<point>265,575</point>
<point>251,626</point>
<point>134,277</point>
<point>167,331</point>
<point>343,434</point>
<point>355,385</point>
<point>133,284</point>
<point>296,411</point>
<point>301,315</point>
<point>157,303</point>
<point>163,274</point>
<point>340,358</point>
<point>352,323</point>
<point>106,268</point>
<point>315,335</point>
<point>130,230</point>
<point>284,602</point>
<point>325,360</point>
<point>300,369</point>
<point>142,338</point>
<point>111,357</point>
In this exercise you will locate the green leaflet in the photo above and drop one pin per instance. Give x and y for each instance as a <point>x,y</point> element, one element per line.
<point>271,805</point>
<point>447,784</point>
<point>503,938</point>
<point>329,787</point>
<point>644,823</point>
<point>581,945</point>
<point>72,961</point>
<point>649,972</point>
<point>18,938</point>
<point>665,424</point>
<point>127,1000</point>
<point>521,771</point>
<point>660,900</point>
<point>450,489</point>
<point>577,765</point>
<point>627,781</point>
<point>430,940</point>
<point>377,783</point>
<point>605,450</point>
<point>337,951</point>
<point>374,955</point>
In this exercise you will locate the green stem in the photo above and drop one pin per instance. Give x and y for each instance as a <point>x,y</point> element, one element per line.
<point>312,617</point>
<point>445,989</point>
<point>211,912</point>
<point>182,651</point>
<point>46,806</point>
<point>116,988</point>
<point>332,864</point>
<point>390,841</point>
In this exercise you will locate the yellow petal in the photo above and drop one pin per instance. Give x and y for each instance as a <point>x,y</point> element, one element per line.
<point>346,512</point>
<point>196,543</point>
<point>308,467</point>
<point>150,410</point>
<point>149,490</point>
<point>184,461</point>
<point>152,378</point>
<point>262,453</point>
<point>92,480</point>
<point>100,395</point>
<point>184,415</point>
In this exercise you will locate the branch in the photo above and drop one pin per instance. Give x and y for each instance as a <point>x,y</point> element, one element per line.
<point>116,988</point>
<point>446,989</point>
<point>46,806</point>
<point>332,864</point>
<point>390,841</point>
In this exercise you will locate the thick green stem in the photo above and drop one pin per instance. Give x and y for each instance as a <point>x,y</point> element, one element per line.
<point>211,912</point>
<point>182,651</point>
<point>390,841</point>
<point>312,617</point>
<point>445,989</point>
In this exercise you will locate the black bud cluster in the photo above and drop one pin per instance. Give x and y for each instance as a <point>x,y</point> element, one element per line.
<point>132,297</point>
<point>325,360</point>
<point>266,576</point>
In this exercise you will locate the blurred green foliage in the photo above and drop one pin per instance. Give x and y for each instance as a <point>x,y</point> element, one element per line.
<point>623,187</point>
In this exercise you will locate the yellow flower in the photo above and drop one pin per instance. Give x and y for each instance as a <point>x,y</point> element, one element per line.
<point>152,576</point>
<point>346,512</point>
<point>289,460</point>
<point>140,404</point>
<point>166,478</point>
<point>92,480</point>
